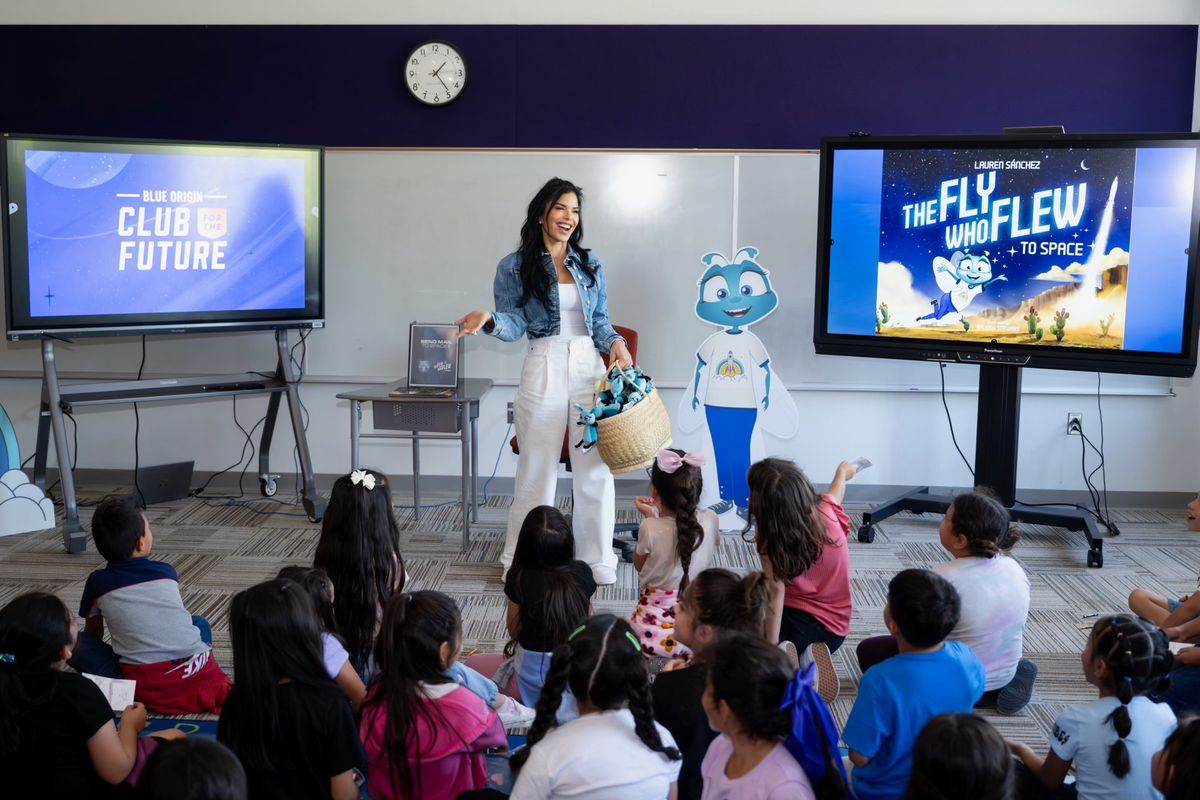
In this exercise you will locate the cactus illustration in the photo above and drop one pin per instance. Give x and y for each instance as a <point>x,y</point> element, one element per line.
<point>1039,333</point>
<point>966,325</point>
<point>1032,319</point>
<point>1105,323</point>
<point>883,317</point>
<point>1059,328</point>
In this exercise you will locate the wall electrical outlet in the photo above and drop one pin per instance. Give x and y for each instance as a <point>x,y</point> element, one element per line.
<point>1074,423</point>
<point>512,416</point>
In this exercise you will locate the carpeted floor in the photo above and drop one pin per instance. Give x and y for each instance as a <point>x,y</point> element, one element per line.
<point>219,549</point>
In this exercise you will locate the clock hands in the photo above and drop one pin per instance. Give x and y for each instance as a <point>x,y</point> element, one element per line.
<point>439,77</point>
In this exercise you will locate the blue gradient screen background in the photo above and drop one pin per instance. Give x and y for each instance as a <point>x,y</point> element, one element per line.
<point>73,217</point>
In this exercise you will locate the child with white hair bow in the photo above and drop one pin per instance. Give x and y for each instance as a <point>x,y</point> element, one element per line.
<point>675,541</point>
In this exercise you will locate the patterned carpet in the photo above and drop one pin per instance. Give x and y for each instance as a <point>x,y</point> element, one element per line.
<point>220,548</point>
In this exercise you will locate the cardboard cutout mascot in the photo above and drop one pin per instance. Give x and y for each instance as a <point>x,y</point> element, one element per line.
<point>735,391</point>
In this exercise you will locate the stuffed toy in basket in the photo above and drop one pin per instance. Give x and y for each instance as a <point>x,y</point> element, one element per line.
<point>629,423</point>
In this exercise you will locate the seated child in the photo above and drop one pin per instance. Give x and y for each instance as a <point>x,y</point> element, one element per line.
<point>994,594</point>
<point>426,736</point>
<point>714,604</point>
<point>1175,769</point>
<point>801,538</point>
<point>333,648</point>
<point>57,737</point>
<point>194,768</point>
<point>929,676</point>
<point>614,748</point>
<point>549,595</point>
<point>751,700</point>
<point>1112,739</point>
<point>287,722</point>
<point>960,755</point>
<point>674,541</point>
<point>359,549</point>
<point>155,641</point>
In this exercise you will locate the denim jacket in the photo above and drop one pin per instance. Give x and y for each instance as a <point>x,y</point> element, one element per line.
<point>537,320</point>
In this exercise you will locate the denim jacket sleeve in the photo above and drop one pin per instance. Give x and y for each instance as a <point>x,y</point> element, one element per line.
<point>602,330</point>
<point>509,317</point>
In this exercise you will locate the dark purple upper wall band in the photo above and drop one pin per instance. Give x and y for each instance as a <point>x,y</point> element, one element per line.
<point>739,87</point>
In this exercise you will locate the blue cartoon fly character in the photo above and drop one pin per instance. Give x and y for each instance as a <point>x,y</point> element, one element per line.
<point>962,278</point>
<point>733,375</point>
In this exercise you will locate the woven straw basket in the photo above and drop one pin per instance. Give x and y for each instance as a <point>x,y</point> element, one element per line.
<point>630,440</point>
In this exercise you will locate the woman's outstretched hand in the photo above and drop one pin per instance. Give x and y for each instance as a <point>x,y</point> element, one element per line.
<point>471,323</point>
<point>618,355</point>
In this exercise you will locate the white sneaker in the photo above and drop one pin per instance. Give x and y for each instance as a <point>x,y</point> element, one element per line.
<point>515,715</point>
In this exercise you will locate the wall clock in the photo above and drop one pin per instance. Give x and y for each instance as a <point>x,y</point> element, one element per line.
<point>435,73</point>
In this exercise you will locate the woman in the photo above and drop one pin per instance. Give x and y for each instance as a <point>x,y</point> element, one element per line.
<point>554,291</point>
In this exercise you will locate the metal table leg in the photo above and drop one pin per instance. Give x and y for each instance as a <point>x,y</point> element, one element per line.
<point>416,445</point>
<point>355,430</point>
<point>475,466</point>
<point>464,424</point>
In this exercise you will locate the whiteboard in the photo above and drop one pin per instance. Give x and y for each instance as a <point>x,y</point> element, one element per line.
<point>415,235</point>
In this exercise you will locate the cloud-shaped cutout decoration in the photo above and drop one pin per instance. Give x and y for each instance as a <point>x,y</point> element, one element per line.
<point>23,506</point>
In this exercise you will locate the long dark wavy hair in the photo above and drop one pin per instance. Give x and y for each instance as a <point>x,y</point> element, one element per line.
<point>34,629</point>
<point>982,518</point>
<point>275,637</point>
<point>359,549</point>
<point>602,664</point>
<point>546,544</point>
<point>679,492</point>
<point>785,516</point>
<point>408,651</point>
<point>536,281</point>
<point>752,677</point>
<point>1139,660</point>
<point>729,602</point>
<point>961,755</point>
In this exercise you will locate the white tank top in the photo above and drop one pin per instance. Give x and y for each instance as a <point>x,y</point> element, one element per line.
<point>570,312</point>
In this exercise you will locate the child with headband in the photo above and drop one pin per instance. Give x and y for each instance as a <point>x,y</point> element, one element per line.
<point>614,748</point>
<point>675,541</point>
<point>1111,739</point>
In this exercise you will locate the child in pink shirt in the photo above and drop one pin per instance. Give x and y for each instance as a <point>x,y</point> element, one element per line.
<point>801,539</point>
<point>426,736</point>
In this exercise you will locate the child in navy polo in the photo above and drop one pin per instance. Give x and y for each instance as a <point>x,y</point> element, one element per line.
<point>155,641</point>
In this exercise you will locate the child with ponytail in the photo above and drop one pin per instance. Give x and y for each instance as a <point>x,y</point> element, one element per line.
<point>777,739</point>
<point>1112,739</point>
<point>716,602</point>
<point>614,748</point>
<point>675,541</point>
<point>426,736</point>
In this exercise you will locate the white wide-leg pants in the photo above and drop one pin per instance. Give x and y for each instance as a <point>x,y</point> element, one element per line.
<point>557,374</point>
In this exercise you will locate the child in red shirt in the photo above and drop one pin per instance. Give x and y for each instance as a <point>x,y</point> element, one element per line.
<point>801,539</point>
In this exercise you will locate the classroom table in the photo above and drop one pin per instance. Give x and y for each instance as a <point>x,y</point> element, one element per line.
<point>424,416</point>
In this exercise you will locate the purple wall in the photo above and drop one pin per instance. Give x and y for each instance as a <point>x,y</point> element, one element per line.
<point>743,87</point>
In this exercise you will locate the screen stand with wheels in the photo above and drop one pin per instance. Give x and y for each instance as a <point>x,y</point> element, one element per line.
<point>996,438</point>
<point>57,399</point>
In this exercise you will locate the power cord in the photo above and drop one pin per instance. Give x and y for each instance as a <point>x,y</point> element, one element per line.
<point>137,429</point>
<point>950,421</point>
<point>249,442</point>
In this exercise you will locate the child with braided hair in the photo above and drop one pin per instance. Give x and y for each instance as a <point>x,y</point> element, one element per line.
<point>674,543</point>
<point>614,748</point>
<point>1112,739</point>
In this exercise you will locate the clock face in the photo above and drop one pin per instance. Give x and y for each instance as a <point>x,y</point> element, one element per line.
<point>435,73</point>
